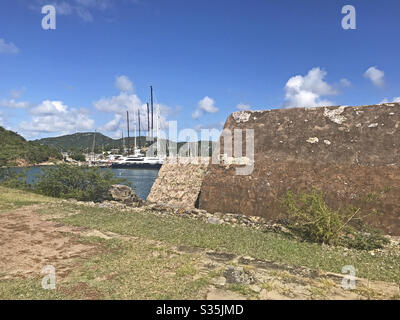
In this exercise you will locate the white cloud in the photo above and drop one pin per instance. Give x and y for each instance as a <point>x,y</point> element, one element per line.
<point>118,105</point>
<point>8,48</point>
<point>242,106</point>
<point>113,125</point>
<point>82,8</point>
<point>12,103</point>
<point>395,99</point>
<point>48,107</point>
<point>376,76</point>
<point>205,105</point>
<point>55,117</point>
<point>1,119</point>
<point>307,91</point>
<point>124,84</point>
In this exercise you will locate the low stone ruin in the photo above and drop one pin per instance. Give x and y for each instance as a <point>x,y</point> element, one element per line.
<point>126,195</point>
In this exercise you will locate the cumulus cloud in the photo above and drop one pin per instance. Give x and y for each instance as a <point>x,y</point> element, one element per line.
<point>48,107</point>
<point>242,106</point>
<point>395,99</point>
<point>205,105</point>
<point>124,84</point>
<point>113,125</point>
<point>118,105</point>
<point>8,48</point>
<point>12,103</point>
<point>308,91</point>
<point>56,117</point>
<point>376,76</point>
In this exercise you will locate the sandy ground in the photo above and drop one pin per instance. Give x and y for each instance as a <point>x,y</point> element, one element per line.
<point>28,243</point>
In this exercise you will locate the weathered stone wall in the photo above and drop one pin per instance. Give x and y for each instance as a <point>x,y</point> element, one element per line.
<point>178,183</point>
<point>350,153</point>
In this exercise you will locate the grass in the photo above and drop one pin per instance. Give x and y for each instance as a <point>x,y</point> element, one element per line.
<point>129,270</point>
<point>13,199</point>
<point>224,238</point>
<point>147,267</point>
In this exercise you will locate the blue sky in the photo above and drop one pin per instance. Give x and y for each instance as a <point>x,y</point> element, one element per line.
<point>205,60</point>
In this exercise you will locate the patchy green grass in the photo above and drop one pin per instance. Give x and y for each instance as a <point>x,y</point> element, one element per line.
<point>141,269</point>
<point>13,199</point>
<point>27,289</point>
<point>123,270</point>
<point>134,270</point>
<point>224,238</point>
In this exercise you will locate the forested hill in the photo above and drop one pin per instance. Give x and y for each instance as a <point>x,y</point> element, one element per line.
<point>83,142</point>
<point>79,141</point>
<point>15,150</point>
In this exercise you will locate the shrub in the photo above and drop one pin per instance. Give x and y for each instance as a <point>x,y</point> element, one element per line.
<point>11,178</point>
<point>78,157</point>
<point>313,220</point>
<point>81,183</point>
<point>367,239</point>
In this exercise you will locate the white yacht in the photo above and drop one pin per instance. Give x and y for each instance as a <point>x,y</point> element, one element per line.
<point>137,160</point>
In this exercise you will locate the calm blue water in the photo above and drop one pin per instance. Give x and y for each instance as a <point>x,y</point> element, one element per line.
<point>140,179</point>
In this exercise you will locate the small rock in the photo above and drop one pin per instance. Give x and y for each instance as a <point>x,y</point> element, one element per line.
<point>313,140</point>
<point>255,288</point>
<point>214,220</point>
<point>220,281</point>
<point>238,275</point>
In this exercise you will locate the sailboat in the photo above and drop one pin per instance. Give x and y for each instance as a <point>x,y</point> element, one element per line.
<point>137,159</point>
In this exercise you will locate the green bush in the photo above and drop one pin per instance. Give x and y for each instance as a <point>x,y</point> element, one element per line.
<point>81,183</point>
<point>369,239</point>
<point>313,220</point>
<point>10,178</point>
<point>78,156</point>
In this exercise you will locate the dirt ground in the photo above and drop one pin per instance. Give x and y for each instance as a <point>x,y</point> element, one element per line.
<point>28,242</point>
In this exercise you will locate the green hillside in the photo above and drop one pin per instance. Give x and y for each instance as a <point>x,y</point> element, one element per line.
<point>83,142</point>
<point>77,141</point>
<point>14,148</point>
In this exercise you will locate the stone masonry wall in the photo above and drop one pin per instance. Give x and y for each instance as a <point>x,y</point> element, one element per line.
<point>178,184</point>
<point>352,154</point>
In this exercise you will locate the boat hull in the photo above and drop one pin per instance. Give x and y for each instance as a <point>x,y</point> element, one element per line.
<point>136,165</point>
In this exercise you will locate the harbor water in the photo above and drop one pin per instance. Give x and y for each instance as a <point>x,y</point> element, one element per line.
<point>139,179</point>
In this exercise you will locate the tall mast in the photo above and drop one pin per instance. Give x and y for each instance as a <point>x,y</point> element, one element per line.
<point>148,120</point>
<point>93,146</point>
<point>138,113</point>
<point>158,130</point>
<point>134,150</point>
<point>152,112</point>
<point>123,141</point>
<point>127,121</point>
